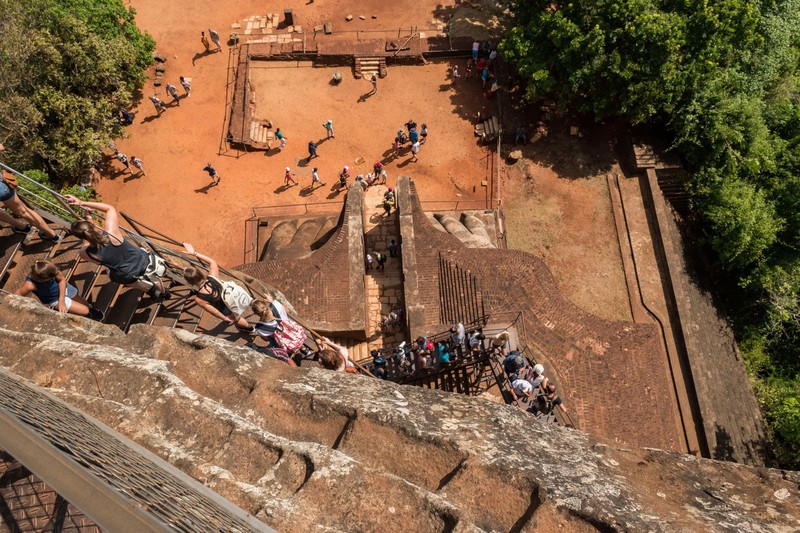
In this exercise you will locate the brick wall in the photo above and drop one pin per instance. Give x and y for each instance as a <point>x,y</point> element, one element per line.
<point>610,374</point>
<point>326,288</point>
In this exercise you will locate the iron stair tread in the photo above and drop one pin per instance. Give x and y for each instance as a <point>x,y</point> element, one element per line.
<point>20,265</point>
<point>103,291</point>
<point>83,275</point>
<point>168,312</point>
<point>11,243</point>
<point>124,307</point>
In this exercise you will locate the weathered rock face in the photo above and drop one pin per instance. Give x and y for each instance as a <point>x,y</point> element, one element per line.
<point>303,448</point>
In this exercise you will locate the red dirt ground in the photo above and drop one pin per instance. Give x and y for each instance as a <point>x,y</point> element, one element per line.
<point>173,196</point>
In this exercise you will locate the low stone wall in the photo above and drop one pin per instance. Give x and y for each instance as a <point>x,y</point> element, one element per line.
<point>731,419</point>
<point>302,449</point>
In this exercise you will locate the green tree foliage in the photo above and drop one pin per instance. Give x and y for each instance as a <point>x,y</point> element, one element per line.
<point>65,67</point>
<point>724,79</point>
<point>744,224</point>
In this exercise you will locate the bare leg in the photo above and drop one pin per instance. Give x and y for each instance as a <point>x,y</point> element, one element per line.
<point>20,210</point>
<point>8,219</point>
<point>79,309</point>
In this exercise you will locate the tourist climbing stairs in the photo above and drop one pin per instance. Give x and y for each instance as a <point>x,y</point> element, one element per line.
<point>122,306</point>
<point>366,67</point>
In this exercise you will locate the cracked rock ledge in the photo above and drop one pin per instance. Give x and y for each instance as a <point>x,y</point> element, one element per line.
<point>318,450</point>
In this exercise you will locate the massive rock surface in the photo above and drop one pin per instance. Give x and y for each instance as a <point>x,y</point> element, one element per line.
<point>306,448</point>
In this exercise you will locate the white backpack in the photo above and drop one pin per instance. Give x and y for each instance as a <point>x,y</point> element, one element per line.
<point>234,297</point>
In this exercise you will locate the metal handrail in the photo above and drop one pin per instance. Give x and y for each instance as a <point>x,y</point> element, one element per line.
<point>62,203</point>
<point>473,325</point>
<point>161,251</point>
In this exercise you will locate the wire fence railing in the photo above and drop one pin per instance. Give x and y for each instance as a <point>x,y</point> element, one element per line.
<point>54,206</point>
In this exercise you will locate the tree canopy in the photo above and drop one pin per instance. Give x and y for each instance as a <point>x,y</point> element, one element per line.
<point>66,66</point>
<point>721,78</point>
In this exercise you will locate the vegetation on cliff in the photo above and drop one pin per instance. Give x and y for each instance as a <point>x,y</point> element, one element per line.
<point>66,68</point>
<point>722,78</point>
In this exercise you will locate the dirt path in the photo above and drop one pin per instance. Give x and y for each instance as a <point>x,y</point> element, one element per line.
<point>557,207</point>
<point>173,196</point>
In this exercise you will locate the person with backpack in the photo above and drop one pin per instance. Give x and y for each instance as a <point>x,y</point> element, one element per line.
<point>275,325</point>
<point>547,402</point>
<point>220,299</point>
<point>128,264</point>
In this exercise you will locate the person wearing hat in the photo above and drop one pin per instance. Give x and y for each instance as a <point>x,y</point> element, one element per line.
<point>521,388</point>
<point>329,129</point>
<point>289,176</point>
<point>538,377</point>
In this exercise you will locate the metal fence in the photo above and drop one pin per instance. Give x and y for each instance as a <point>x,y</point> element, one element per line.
<point>115,482</point>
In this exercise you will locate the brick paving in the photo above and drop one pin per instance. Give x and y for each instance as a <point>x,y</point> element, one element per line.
<point>384,289</point>
<point>610,374</point>
<point>326,288</point>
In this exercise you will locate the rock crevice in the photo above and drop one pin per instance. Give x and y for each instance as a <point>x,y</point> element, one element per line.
<point>305,448</point>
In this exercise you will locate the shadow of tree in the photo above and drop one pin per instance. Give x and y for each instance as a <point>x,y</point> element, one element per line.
<point>574,158</point>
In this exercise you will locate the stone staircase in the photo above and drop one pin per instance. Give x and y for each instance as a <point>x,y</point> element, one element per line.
<point>461,299</point>
<point>365,67</point>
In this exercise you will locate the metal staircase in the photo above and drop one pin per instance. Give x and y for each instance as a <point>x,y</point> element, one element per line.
<point>122,306</point>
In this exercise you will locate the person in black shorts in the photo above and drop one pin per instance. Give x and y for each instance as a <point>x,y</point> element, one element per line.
<point>128,264</point>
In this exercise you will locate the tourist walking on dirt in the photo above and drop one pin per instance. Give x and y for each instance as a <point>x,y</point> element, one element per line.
<point>369,261</point>
<point>328,125</point>
<point>312,150</point>
<point>456,75</point>
<point>289,176</point>
<point>173,92</point>
<point>281,138</point>
<point>204,40</point>
<point>415,151</point>
<point>123,158</point>
<point>398,144</point>
<point>127,117</point>
<point>476,46</point>
<point>374,81</point>
<point>135,161</point>
<point>215,38</point>
<point>485,76</point>
<point>127,264</point>
<point>424,133</point>
<point>315,178</point>
<point>343,175</point>
<point>187,87</point>
<point>159,105</point>
<point>213,173</point>
<point>470,66</point>
<point>392,247</point>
